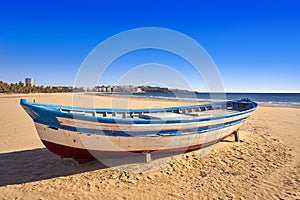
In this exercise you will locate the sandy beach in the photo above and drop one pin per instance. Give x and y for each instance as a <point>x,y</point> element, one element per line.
<point>265,164</point>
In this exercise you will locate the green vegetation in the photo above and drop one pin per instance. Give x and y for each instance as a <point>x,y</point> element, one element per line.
<point>21,88</point>
<point>10,88</point>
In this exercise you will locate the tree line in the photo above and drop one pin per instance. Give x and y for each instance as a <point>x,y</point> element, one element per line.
<point>22,88</point>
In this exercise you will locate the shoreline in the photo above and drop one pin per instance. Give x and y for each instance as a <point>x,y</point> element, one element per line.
<point>141,98</point>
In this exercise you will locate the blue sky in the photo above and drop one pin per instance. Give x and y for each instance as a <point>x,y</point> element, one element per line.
<point>255,44</point>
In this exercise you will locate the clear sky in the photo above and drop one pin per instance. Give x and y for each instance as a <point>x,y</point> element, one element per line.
<point>254,43</point>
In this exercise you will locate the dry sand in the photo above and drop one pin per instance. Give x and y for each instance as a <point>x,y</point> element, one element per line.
<point>264,165</point>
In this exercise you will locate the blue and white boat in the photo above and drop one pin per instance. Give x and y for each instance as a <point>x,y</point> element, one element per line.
<point>88,133</point>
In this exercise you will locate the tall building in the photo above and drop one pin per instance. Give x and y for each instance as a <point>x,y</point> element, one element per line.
<point>29,81</point>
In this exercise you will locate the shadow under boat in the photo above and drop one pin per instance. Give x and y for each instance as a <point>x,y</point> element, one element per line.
<point>41,164</point>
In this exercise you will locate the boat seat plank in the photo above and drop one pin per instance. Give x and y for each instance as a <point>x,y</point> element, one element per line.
<point>164,115</point>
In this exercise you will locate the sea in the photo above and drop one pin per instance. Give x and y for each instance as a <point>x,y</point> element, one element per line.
<point>271,99</point>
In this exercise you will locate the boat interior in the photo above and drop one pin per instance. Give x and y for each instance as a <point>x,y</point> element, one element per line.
<point>189,112</point>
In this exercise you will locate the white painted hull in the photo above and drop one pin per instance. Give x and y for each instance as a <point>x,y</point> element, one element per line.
<point>119,145</point>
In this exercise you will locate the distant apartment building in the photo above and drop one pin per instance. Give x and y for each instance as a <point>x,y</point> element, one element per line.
<point>155,89</point>
<point>29,81</point>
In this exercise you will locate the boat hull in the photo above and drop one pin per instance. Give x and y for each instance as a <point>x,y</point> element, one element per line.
<point>86,147</point>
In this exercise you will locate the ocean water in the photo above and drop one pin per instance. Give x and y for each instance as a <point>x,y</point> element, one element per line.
<point>273,99</point>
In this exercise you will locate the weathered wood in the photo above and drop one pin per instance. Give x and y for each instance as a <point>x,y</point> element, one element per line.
<point>148,157</point>
<point>236,136</point>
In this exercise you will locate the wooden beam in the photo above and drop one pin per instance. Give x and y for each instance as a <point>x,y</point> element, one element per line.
<point>236,136</point>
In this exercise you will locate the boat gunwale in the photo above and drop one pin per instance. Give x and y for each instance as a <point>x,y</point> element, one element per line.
<point>56,110</point>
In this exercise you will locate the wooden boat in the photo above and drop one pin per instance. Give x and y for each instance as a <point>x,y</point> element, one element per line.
<point>85,133</point>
